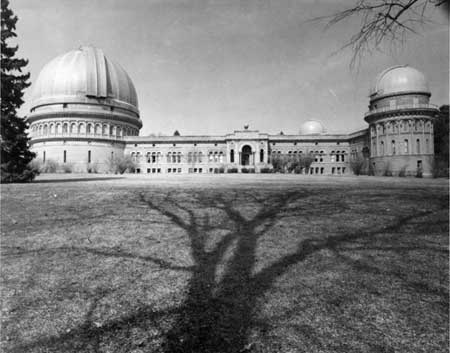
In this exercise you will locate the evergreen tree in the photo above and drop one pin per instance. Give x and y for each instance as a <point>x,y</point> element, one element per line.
<point>15,155</point>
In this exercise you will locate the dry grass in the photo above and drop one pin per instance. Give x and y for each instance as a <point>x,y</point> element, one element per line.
<point>225,263</point>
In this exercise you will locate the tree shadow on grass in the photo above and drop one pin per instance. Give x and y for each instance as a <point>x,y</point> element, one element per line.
<point>218,312</point>
<point>69,180</point>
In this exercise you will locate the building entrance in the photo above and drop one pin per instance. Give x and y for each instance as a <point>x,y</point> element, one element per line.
<point>246,155</point>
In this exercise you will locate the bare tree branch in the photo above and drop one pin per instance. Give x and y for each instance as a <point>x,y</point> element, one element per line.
<point>381,21</point>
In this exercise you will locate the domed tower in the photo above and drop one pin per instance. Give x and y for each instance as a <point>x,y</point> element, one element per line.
<point>401,123</point>
<point>83,105</point>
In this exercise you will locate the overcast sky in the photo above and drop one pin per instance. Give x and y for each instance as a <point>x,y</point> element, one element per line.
<point>211,66</point>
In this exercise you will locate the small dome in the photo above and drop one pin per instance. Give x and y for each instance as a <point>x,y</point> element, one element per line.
<point>399,79</point>
<point>84,75</point>
<point>312,127</point>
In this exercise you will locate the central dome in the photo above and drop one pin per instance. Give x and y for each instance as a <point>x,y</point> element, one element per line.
<point>84,75</point>
<point>312,127</point>
<point>399,79</point>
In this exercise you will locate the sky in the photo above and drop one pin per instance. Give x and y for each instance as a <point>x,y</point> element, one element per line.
<point>212,66</point>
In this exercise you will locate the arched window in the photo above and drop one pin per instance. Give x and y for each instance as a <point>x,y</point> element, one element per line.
<point>45,129</point>
<point>58,129</point>
<point>418,146</point>
<point>81,128</point>
<point>174,157</point>
<point>73,128</point>
<point>179,157</point>
<point>65,128</point>
<point>189,157</point>
<point>169,157</point>
<point>138,157</point>
<point>52,129</point>
<point>406,146</point>
<point>89,129</point>
<point>98,129</point>
<point>261,155</point>
<point>427,146</point>
<point>382,148</point>
<point>119,132</point>
<point>231,156</point>
<point>216,157</point>
<point>342,157</point>
<point>200,155</point>
<point>111,130</point>
<point>333,157</point>
<point>211,156</point>
<point>393,147</point>
<point>104,129</point>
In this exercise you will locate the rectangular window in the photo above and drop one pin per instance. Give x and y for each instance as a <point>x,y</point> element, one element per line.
<point>343,170</point>
<point>89,156</point>
<point>138,170</point>
<point>332,170</point>
<point>148,170</point>
<point>43,157</point>
<point>159,170</point>
<point>200,170</point>
<point>179,170</point>
<point>65,156</point>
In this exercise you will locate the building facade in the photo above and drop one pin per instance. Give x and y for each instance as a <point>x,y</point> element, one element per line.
<point>84,113</point>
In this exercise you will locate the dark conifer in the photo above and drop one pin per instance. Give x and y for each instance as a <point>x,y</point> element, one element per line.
<point>15,155</point>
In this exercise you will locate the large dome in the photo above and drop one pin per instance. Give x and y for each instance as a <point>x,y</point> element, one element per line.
<point>84,75</point>
<point>312,127</point>
<point>400,79</point>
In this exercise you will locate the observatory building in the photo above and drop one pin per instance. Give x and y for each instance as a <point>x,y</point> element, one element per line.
<point>84,113</point>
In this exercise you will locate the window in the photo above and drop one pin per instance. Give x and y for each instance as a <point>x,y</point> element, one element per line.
<point>89,156</point>
<point>174,157</point>
<point>343,170</point>
<point>65,128</point>
<point>200,154</point>
<point>168,157</point>
<point>343,158</point>
<point>232,156</point>
<point>148,170</point>
<point>179,157</point>
<point>64,156</point>
<point>427,146</point>
<point>393,147</point>
<point>189,157</point>
<point>405,147</point>
<point>179,170</point>
<point>418,146</point>
<point>43,157</point>
<point>382,148</point>
<point>220,157</point>
<point>261,155</point>
<point>321,170</point>
<point>138,170</point>
<point>333,170</point>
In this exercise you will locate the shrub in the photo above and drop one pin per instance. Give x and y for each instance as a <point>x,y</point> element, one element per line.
<point>121,164</point>
<point>92,168</point>
<point>50,166</point>
<point>67,167</point>
<point>265,170</point>
<point>232,170</point>
<point>387,170</point>
<point>402,172</point>
<point>357,164</point>
<point>35,166</point>
<point>221,170</point>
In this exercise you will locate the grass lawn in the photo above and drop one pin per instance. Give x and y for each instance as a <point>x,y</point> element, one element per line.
<point>225,263</point>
